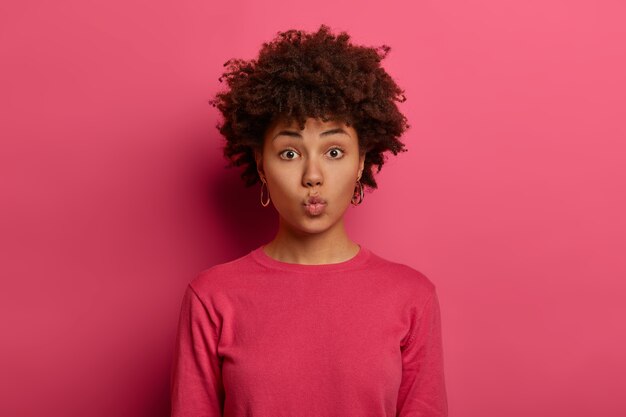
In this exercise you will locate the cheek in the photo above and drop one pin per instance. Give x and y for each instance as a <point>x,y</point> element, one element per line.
<point>348,190</point>
<point>283,186</point>
<point>343,188</point>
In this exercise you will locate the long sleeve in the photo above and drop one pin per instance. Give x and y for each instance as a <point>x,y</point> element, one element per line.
<point>422,391</point>
<point>196,388</point>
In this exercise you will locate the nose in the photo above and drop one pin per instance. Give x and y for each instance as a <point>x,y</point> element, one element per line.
<point>312,175</point>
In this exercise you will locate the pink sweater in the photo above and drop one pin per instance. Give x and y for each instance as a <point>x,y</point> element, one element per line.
<point>259,337</point>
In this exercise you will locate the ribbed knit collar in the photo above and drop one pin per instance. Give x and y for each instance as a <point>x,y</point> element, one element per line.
<point>353,263</point>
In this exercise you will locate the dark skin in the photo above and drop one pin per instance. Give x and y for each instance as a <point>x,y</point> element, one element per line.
<point>322,160</point>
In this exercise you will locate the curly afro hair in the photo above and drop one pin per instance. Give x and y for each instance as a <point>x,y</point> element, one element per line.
<point>320,75</point>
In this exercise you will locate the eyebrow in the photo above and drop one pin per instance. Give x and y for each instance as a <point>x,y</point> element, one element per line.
<point>295,134</point>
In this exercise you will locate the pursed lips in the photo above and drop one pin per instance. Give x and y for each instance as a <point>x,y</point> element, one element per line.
<point>314,200</point>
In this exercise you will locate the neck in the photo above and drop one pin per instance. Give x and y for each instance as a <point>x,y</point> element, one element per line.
<point>330,246</point>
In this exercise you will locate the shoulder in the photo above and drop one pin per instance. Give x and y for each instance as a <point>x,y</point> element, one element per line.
<point>224,275</point>
<point>407,278</point>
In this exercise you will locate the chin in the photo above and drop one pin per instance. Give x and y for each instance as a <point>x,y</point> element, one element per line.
<point>314,223</point>
<point>310,225</point>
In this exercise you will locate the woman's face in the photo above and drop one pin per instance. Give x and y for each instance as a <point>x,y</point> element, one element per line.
<point>323,160</point>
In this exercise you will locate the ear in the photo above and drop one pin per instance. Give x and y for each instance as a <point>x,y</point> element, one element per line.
<point>361,164</point>
<point>258,157</point>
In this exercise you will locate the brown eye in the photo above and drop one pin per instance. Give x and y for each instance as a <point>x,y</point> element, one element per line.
<point>335,151</point>
<point>288,152</point>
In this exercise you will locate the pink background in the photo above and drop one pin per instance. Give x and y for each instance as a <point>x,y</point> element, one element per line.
<point>511,198</point>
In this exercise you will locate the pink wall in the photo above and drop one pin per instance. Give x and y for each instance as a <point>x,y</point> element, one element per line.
<point>511,197</point>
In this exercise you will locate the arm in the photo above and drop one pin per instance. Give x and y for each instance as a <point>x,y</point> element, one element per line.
<point>422,390</point>
<point>196,384</point>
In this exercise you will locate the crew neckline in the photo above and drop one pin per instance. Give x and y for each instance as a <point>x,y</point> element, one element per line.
<point>264,259</point>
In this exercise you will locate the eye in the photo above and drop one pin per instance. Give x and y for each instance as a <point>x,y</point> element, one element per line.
<point>289,152</point>
<point>334,152</point>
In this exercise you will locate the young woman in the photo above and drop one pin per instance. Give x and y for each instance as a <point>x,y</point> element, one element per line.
<point>311,323</point>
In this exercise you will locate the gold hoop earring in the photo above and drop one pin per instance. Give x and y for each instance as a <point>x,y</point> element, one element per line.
<point>359,194</point>
<point>268,194</point>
